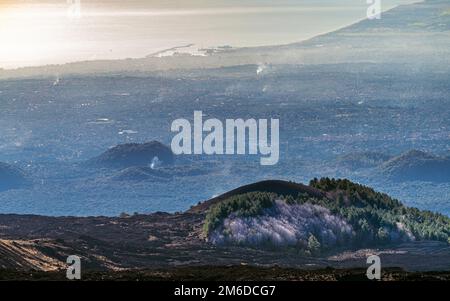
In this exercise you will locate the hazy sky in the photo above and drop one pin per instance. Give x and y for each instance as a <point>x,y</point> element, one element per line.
<point>48,32</point>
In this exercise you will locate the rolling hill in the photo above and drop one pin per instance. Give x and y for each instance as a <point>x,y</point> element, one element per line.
<point>135,154</point>
<point>342,214</point>
<point>327,223</point>
<point>278,187</point>
<point>417,166</point>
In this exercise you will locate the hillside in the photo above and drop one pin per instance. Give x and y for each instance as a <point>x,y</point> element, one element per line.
<point>278,187</point>
<point>328,223</point>
<point>150,154</point>
<point>346,214</point>
<point>417,166</point>
<point>29,255</point>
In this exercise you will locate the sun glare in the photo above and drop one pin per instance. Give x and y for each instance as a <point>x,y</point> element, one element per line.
<point>28,36</point>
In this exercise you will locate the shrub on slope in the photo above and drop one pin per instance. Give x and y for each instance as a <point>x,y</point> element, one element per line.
<point>352,215</point>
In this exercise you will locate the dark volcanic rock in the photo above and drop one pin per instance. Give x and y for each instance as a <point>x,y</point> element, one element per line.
<point>11,177</point>
<point>135,154</point>
<point>418,166</point>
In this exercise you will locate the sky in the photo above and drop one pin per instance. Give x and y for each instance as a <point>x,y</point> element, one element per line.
<point>35,32</point>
